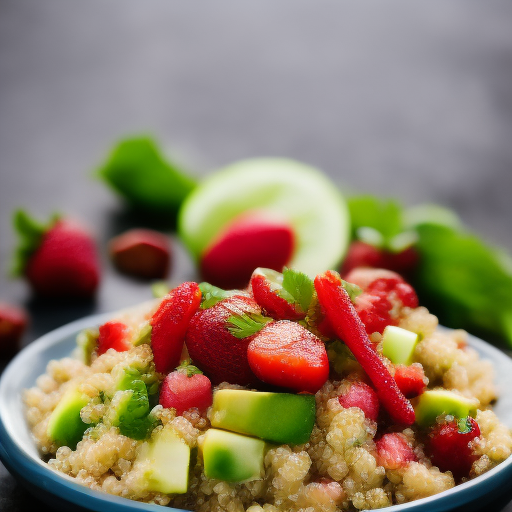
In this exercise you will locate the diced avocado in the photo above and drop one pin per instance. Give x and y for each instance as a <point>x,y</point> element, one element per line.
<point>65,426</point>
<point>430,404</point>
<point>398,344</point>
<point>279,417</point>
<point>168,458</point>
<point>143,336</point>
<point>86,342</point>
<point>232,457</point>
<point>129,411</point>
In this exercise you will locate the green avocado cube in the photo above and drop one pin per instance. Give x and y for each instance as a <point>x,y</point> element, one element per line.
<point>232,457</point>
<point>282,418</point>
<point>430,404</point>
<point>167,458</point>
<point>65,427</point>
<point>398,344</point>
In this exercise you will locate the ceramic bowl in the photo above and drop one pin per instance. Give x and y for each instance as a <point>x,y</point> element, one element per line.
<point>19,453</point>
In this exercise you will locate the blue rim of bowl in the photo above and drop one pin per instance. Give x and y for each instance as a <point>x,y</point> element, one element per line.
<point>34,471</point>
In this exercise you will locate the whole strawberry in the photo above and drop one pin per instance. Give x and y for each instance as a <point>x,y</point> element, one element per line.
<point>59,260</point>
<point>213,346</point>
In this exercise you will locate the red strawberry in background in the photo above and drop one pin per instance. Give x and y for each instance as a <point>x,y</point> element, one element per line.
<point>58,260</point>
<point>13,321</point>
<point>141,253</point>
<point>243,246</point>
<point>449,446</point>
<point>185,388</point>
<point>214,348</point>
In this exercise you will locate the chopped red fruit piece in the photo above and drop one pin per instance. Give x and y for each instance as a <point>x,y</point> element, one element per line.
<point>142,253</point>
<point>285,354</point>
<point>411,380</point>
<point>363,396</point>
<point>113,335</point>
<point>393,451</point>
<point>249,242</point>
<point>349,328</point>
<point>449,446</point>
<point>214,349</point>
<point>266,294</point>
<point>59,260</point>
<point>170,322</point>
<point>184,389</point>
<point>374,311</point>
<point>361,254</point>
<point>13,321</point>
<point>364,277</point>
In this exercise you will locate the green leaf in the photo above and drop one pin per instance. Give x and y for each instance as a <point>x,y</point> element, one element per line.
<point>352,289</point>
<point>243,326</point>
<point>463,281</point>
<point>188,369</point>
<point>212,294</point>
<point>30,234</point>
<point>383,216</point>
<point>137,170</point>
<point>464,425</point>
<point>297,288</point>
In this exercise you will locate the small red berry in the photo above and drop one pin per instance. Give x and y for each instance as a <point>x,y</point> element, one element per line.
<point>410,380</point>
<point>449,446</point>
<point>13,321</point>
<point>363,396</point>
<point>393,451</point>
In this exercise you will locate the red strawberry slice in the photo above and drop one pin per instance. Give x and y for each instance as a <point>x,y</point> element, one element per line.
<point>249,242</point>
<point>411,380</point>
<point>449,446</point>
<point>349,328</point>
<point>393,451</point>
<point>212,347</point>
<point>59,260</point>
<point>13,322</point>
<point>375,312</point>
<point>169,325</point>
<point>285,354</point>
<point>142,253</point>
<point>265,288</point>
<point>363,396</point>
<point>362,254</point>
<point>185,388</point>
<point>113,335</point>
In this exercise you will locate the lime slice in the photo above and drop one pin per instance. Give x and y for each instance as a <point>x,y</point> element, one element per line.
<point>286,189</point>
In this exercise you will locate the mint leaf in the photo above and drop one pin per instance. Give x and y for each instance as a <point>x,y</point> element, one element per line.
<point>243,326</point>
<point>352,289</point>
<point>138,171</point>
<point>297,288</point>
<point>188,369</point>
<point>212,294</point>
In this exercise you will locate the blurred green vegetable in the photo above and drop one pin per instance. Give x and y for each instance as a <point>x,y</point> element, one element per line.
<point>137,170</point>
<point>462,280</point>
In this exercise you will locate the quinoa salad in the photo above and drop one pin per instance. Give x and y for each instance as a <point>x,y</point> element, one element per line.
<point>290,395</point>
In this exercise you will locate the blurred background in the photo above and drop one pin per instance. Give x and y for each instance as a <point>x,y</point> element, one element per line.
<point>400,99</point>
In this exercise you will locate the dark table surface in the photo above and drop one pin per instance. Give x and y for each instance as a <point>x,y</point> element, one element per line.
<point>411,100</point>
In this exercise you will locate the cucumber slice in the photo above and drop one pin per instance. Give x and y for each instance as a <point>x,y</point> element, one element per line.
<point>398,344</point>
<point>285,189</point>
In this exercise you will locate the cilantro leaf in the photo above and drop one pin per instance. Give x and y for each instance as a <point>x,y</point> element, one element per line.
<point>243,326</point>
<point>212,294</point>
<point>138,171</point>
<point>297,288</point>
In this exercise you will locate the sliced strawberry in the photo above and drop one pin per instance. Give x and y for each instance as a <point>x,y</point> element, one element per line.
<point>285,354</point>
<point>113,335</point>
<point>13,322</point>
<point>170,322</point>
<point>185,388</point>
<point>374,310</point>
<point>243,246</point>
<point>212,346</point>
<point>393,451</point>
<point>363,396</point>
<point>142,253</point>
<point>404,291</point>
<point>267,290</point>
<point>348,326</point>
<point>411,380</point>
<point>449,446</point>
